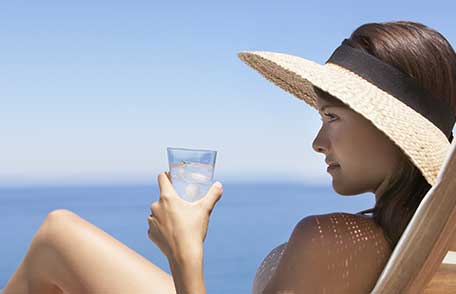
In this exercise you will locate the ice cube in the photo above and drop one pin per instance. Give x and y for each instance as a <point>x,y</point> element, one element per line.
<point>192,191</point>
<point>194,177</point>
<point>178,172</point>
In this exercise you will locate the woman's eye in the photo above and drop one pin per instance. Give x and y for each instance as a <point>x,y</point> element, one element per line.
<point>330,115</point>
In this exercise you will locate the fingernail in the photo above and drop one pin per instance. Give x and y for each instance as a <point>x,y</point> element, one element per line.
<point>218,185</point>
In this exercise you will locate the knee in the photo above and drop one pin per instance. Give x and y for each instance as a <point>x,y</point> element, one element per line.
<point>59,218</point>
<point>55,222</point>
<point>60,214</point>
<point>51,228</point>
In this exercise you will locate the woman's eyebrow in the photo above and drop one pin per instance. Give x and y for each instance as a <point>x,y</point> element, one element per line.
<point>326,106</point>
<point>322,108</point>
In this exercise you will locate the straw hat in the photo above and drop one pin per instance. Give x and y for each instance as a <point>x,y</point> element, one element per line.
<point>392,100</point>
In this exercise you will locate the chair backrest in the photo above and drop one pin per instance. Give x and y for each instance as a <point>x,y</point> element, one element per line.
<point>424,243</point>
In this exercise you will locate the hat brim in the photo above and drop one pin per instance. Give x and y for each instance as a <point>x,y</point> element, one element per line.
<point>424,143</point>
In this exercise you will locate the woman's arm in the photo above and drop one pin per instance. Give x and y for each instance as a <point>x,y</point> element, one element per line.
<point>187,273</point>
<point>179,229</point>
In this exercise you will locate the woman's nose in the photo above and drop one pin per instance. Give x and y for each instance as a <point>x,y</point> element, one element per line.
<point>320,144</point>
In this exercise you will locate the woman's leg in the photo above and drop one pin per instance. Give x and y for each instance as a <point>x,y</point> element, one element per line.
<point>70,255</point>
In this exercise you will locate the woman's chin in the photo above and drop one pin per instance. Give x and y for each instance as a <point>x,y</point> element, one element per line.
<point>343,189</point>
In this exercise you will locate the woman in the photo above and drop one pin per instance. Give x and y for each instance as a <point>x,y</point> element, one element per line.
<point>387,97</point>
<point>387,101</point>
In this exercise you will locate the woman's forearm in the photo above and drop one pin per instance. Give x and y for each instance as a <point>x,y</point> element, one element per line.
<point>179,228</point>
<point>187,271</point>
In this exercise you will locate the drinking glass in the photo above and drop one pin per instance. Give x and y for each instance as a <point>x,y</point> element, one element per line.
<point>192,171</point>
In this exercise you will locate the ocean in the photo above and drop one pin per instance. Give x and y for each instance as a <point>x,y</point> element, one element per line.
<point>249,220</point>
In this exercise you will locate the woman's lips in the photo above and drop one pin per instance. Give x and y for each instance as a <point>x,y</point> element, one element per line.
<point>332,167</point>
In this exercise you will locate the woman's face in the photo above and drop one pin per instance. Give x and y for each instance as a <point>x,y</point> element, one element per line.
<point>366,158</point>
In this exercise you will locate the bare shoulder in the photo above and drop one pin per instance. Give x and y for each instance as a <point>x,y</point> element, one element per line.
<point>340,227</point>
<point>340,230</point>
<point>338,252</point>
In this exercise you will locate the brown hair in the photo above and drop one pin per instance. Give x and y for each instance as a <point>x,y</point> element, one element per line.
<point>428,57</point>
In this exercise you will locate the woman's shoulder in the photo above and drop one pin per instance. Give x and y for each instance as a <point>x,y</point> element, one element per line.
<point>341,220</point>
<point>342,230</point>
<point>340,250</point>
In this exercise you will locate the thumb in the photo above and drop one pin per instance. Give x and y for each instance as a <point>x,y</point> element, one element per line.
<point>213,196</point>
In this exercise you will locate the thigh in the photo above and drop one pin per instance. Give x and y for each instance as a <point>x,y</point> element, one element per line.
<point>92,261</point>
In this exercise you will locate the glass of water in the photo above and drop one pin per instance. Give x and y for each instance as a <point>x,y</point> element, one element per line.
<point>192,171</point>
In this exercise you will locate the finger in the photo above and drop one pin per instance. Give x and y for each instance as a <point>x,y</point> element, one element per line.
<point>213,196</point>
<point>166,188</point>
<point>152,220</point>
<point>169,177</point>
<point>152,227</point>
<point>154,209</point>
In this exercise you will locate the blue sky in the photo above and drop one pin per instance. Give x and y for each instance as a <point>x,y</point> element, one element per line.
<point>94,91</point>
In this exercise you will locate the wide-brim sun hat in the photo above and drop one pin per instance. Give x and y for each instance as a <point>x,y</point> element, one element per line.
<point>390,99</point>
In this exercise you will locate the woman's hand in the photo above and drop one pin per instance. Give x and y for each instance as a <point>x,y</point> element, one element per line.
<point>179,227</point>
